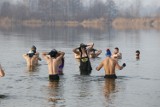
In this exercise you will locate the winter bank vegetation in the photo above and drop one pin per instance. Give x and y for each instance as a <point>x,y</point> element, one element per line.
<point>73,13</point>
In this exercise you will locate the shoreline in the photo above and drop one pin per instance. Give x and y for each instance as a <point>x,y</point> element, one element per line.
<point>101,23</point>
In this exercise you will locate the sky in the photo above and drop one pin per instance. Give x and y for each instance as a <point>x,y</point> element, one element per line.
<point>124,3</point>
<point>129,2</point>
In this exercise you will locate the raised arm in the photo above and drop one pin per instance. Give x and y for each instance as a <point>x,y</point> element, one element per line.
<point>25,56</point>
<point>2,74</point>
<point>37,54</point>
<point>90,45</point>
<point>44,55</point>
<point>100,66</point>
<point>61,55</point>
<point>76,50</point>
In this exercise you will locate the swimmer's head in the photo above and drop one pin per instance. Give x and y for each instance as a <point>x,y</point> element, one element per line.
<point>53,53</point>
<point>116,50</point>
<point>30,53</point>
<point>82,45</point>
<point>137,53</point>
<point>33,48</point>
<point>108,53</point>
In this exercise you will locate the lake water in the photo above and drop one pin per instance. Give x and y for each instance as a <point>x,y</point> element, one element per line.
<point>138,85</point>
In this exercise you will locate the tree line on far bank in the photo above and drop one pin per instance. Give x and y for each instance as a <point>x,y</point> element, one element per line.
<point>67,10</point>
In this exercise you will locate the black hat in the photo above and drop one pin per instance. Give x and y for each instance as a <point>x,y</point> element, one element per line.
<point>82,45</point>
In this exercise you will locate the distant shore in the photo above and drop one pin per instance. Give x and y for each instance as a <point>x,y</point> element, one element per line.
<point>118,23</point>
<point>136,23</point>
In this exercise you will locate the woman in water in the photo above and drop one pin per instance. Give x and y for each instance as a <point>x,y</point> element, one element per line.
<point>85,65</point>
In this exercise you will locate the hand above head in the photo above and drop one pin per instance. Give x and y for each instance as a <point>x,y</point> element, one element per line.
<point>78,48</point>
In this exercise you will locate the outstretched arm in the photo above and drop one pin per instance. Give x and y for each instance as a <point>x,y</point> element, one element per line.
<point>2,74</point>
<point>100,66</point>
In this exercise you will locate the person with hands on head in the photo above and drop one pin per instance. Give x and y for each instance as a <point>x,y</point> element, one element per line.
<point>53,59</point>
<point>110,64</point>
<point>85,65</point>
<point>2,74</point>
<point>94,53</point>
<point>88,47</point>
<point>31,58</point>
<point>34,49</point>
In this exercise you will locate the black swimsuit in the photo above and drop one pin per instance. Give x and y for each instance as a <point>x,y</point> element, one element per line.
<point>113,76</point>
<point>85,65</point>
<point>53,78</point>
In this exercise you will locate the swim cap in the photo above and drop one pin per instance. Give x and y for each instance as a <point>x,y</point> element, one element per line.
<point>108,53</point>
<point>53,53</point>
<point>30,53</point>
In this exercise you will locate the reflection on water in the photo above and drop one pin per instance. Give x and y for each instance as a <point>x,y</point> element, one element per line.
<point>109,88</point>
<point>55,92</point>
<point>3,96</point>
<point>137,85</point>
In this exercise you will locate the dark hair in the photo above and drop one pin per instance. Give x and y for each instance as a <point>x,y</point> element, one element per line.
<point>137,51</point>
<point>33,49</point>
<point>116,48</point>
<point>82,45</point>
<point>53,53</point>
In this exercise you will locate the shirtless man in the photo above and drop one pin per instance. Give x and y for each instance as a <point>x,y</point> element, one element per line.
<point>116,54</point>
<point>53,59</point>
<point>2,74</point>
<point>31,59</point>
<point>110,64</point>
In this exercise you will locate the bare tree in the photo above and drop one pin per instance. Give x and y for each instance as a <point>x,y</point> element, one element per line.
<point>6,9</point>
<point>111,10</point>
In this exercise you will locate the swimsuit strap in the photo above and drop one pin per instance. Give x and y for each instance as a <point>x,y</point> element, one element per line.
<point>86,53</point>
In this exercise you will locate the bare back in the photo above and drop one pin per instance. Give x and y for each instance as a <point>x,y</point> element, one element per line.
<point>53,65</point>
<point>30,61</point>
<point>109,65</point>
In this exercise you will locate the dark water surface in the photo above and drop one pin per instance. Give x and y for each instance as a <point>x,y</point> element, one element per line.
<point>138,85</point>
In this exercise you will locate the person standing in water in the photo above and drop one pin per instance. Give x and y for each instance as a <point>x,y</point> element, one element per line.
<point>110,64</point>
<point>31,59</point>
<point>2,74</point>
<point>53,59</point>
<point>85,65</point>
<point>34,49</point>
<point>60,68</point>
<point>94,53</point>
<point>137,54</point>
<point>116,54</point>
